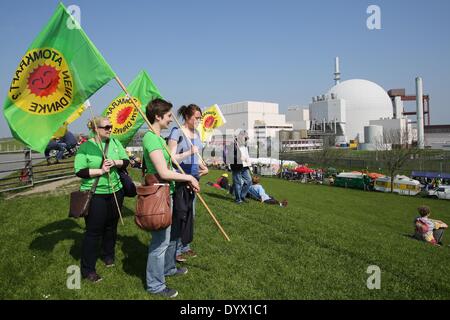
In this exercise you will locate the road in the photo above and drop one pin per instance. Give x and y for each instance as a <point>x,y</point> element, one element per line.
<point>19,163</point>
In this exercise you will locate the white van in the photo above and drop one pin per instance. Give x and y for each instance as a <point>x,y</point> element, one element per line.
<point>442,192</point>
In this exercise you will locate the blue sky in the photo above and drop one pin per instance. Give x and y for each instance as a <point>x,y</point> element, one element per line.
<point>206,52</point>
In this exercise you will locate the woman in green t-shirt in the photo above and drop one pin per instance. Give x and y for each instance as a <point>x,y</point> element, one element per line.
<point>101,221</point>
<point>161,255</point>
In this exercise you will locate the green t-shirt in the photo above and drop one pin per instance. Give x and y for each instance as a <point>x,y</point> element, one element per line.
<point>152,142</point>
<point>90,156</point>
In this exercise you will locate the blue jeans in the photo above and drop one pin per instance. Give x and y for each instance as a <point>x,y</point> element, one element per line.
<point>242,182</point>
<point>60,146</point>
<point>161,260</point>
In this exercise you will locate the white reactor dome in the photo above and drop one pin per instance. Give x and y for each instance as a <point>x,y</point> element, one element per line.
<point>364,101</point>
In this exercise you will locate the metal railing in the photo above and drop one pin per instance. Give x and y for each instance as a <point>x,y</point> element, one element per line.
<point>24,169</point>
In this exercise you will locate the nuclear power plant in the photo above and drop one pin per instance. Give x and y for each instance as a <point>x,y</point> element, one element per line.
<point>354,113</point>
<point>361,114</point>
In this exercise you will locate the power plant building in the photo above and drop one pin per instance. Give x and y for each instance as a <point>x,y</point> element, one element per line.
<point>260,119</point>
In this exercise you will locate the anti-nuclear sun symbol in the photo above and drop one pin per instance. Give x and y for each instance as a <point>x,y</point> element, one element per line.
<point>43,81</point>
<point>123,114</point>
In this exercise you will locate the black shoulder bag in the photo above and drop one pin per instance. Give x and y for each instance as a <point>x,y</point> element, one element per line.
<point>128,186</point>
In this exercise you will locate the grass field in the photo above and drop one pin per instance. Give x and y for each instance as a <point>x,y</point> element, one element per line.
<point>319,247</point>
<point>10,144</point>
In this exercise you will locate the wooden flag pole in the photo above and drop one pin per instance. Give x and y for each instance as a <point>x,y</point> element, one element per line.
<point>187,138</point>
<point>170,154</point>
<point>104,156</point>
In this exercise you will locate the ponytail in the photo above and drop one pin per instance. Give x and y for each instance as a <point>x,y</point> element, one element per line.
<point>188,111</point>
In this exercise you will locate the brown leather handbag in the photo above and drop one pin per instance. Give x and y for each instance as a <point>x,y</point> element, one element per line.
<point>153,211</point>
<point>80,201</point>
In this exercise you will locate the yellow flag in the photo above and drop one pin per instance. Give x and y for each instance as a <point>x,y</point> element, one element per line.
<point>61,132</point>
<point>74,116</point>
<point>212,118</point>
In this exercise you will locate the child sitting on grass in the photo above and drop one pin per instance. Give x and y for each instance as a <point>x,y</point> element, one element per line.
<point>257,191</point>
<point>427,229</point>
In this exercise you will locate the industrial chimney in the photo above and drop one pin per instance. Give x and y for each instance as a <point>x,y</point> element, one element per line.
<point>337,74</point>
<point>419,111</point>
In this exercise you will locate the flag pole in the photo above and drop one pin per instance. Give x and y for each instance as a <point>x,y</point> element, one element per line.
<point>187,138</point>
<point>104,156</point>
<point>170,154</point>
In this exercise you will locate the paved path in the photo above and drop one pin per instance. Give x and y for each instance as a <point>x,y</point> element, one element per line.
<point>19,163</point>
<point>47,187</point>
<point>64,186</point>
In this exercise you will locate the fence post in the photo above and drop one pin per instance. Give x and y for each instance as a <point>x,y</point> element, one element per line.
<point>29,165</point>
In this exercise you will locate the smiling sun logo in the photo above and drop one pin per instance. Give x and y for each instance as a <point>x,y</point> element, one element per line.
<point>42,83</point>
<point>122,114</point>
<point>209,122</point>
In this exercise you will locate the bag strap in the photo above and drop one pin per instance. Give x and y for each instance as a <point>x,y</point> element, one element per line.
<point>94,185</point>
<point>180,137</point>
<point>144,165</point>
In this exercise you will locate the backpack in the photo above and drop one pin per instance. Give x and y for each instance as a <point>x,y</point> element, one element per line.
<point>180,138</point>
<point>421,227</point>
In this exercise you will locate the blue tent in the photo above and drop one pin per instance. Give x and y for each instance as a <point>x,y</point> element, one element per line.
<point>431,175</point>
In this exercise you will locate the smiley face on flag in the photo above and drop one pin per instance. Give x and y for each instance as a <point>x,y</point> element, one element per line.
<point>42,83</point>
<point>209,121</point>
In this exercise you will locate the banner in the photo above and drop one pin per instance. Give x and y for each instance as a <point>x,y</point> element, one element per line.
<point>60,70</point>
<point>124,117</point>
<point>212,118</point>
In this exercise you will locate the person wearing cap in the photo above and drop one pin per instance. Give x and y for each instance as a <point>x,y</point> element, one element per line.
<point>223,181</point>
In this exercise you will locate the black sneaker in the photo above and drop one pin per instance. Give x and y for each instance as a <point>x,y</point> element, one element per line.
<point>93,277</point>
<point>180,272</point>
<point>109,263</point>
<point>168,293</point>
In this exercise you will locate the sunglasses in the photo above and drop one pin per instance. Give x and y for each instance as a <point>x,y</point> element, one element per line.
<point>108,127</point>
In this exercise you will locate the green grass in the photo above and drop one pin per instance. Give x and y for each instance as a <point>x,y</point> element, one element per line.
<point>319,247</point>
<point>430,160</point>
<point>10,144</point>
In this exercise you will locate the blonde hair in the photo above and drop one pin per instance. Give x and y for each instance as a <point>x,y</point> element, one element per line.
<point>94,123</point>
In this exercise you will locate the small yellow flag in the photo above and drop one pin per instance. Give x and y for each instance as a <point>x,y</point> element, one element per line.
<point>212,118</point>
<point>61,132</point>
<point>74,116</point>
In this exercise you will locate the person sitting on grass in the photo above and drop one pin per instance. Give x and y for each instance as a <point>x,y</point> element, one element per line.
<point>257,192</point>
<point>221,183</point>
<point>427,229</point>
